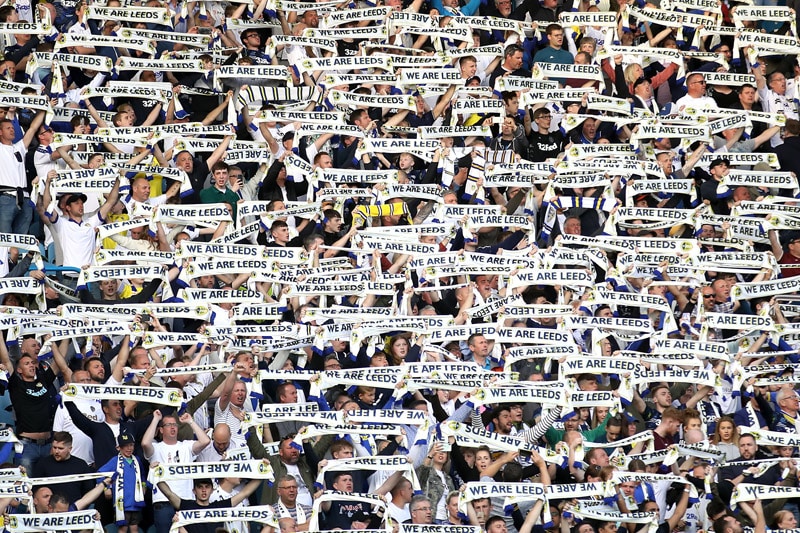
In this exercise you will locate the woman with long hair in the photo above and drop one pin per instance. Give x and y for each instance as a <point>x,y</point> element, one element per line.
<point>726,437</point>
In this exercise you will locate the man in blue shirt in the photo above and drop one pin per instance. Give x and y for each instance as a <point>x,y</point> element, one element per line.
<point>553,53</point>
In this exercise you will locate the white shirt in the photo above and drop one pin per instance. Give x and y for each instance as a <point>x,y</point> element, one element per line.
<point>76,240</point>
<point>82,444</point>
<point>12,165</point>
<point>180,452</point>
<point>701,103</point>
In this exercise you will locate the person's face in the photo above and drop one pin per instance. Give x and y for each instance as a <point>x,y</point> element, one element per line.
<point>572,226</point>
<point>516,413</point>
<point>127,450</point>
<point>452,507</point>
<point>311,19</point>
<point>725,431</point>
<point>504,7</point>
<point>588,48</point>
<point>600,457</point>
<point>482,509</point>
<point>185,162</point>
<point>482,460</point>
<point>790,402</point>
<point>723,290</point>
<point>169,429</point>
<point>628,488</point>
<point>141,190</point>
<point>334,224</point>
<point>556,38</point>
<point>788,521</point>
<point>60,450</point>
<point>515,61</point>
<point>239,394</point>
<point>608,527</point>
<point>345,453</point>
<point>777,83</point>
<point>697,86</point>
<point>502,423</point>
<point>747,96</point>
<point>693,423</point>
<point>7,132</point>
<point>498,526</point>
<point>202,492</point>
<point>26,368</point>
<point>287,491</point>
<point>96,371</point>
<point>281,234</point>
<point>663,398</point>
<point>400,348</point>
<point>289,454</point>
<point>221,440</point>
<point>379,360</point>
<point>613,433</point>
<point>468,69</point>
<point>344,483</point>
<point>41,499</point>
<point>221,178</point>
<point>747,447</point>
<point>31,346</point>
<point>479,346</point>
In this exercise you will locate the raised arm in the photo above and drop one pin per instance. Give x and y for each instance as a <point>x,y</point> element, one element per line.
<point>150,435</point>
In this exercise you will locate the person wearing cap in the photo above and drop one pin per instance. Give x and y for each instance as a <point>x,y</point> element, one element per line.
<point>127,490</point>
<point>74,232</point>
<point>789,255</point>
<point>710,189</point>
<point>643,97</point>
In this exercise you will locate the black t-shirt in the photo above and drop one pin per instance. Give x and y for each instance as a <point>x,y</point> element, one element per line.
<point>341,514</point>
<point>543,146</point>
<point>197,178</point>
<point>206,527</point>
<point>34,401</point>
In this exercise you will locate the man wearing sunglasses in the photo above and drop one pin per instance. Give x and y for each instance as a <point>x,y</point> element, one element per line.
<point>16,212</point>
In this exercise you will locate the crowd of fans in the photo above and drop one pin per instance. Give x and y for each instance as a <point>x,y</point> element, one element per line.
<point>494,265</point>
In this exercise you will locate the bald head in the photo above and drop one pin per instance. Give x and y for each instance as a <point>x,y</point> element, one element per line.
<point>693,436</point>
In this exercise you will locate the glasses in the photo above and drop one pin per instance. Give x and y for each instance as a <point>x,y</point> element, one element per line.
<point>290,487</point>
<point>709,295</point>
<point>701,82</point>
<point>545,117</point>
<point>169,425</point>
<point>423,509</point>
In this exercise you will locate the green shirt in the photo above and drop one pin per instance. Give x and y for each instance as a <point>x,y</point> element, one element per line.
<point>212,195</point>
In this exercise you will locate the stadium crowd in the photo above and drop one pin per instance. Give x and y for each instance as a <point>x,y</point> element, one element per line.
<point>415,266</point>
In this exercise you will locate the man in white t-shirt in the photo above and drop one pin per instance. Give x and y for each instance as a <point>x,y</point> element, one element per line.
<point>777,95</point>
<point>171,450</point>
<point>74,232</point>
<point>695,97</point>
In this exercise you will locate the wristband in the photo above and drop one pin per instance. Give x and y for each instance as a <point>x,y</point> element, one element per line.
<point>755,65</point>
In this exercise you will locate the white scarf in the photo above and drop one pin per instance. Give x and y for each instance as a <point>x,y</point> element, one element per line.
<point>119,488</point>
